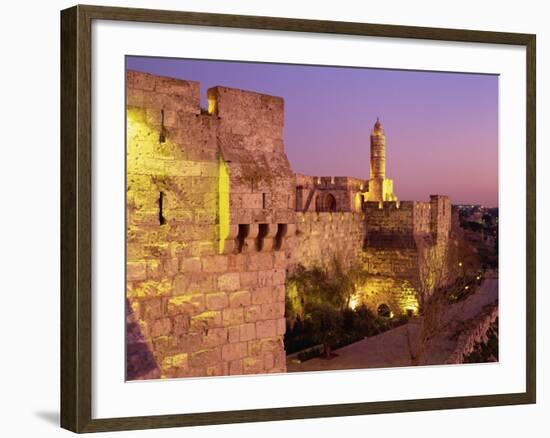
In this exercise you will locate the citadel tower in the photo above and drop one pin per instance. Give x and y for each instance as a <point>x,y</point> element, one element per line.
<point>380,187</point>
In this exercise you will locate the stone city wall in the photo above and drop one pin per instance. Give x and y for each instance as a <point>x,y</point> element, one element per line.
<point>394,276</point>
<point>195,305</point>
<point>398,234</point>
<point>474,332</point>
<point>320,237</point>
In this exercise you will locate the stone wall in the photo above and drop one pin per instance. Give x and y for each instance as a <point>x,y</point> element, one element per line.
<point>474,332</point>
<point>401,239</point>
<point>197,306</point>
<point>320,237</point>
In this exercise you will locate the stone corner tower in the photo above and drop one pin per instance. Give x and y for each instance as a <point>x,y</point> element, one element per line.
<point>380,187</point>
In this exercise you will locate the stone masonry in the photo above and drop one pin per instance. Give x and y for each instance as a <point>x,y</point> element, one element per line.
<point>216,219</point>
<point>206,229</point>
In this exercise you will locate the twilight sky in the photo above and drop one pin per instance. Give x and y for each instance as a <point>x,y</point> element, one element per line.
<point>441,128</point>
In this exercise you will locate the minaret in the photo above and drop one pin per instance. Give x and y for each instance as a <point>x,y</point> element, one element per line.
<point>377,152</point>
<point>380,187</point>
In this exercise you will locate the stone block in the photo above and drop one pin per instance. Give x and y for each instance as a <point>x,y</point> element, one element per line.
<point>269,360</point>
<point>193,282</point>
<point>191,264</point>
<point>279,293</point>
<point>279,277</point>
<point>161,327</point>
<point>189,342</point>
<point>249,279</point>
<point>261,295</point>
<point>266,329</point>
<point>260,261</point>
<point>220,369</point>
<point>252,365</point>
<point>233,316</point>
<point>233,334</point>
<point>261,346</point>
<point>229,281</point>
<point>216,301</point>
<point>273,310</point>
<point>239,299</point>
<point>152,309</point>
<point>205,357</point>
<point>215,337</point>
<point>190,304</point>
<point>180,360</point>
<point>169,266</point>
<point>265,278</point>
<point>279,260</point>
<point>165,345</point>
<point>215,263</point>
<point>136,271</point>
<point>206,320</point>
<point>247,332</point>
<point>281,326</point>
<point>149,289</point>
<point>252,200</point>
<point>180,324</point>
<point>252,313</point>
<point>231,352</point>
<point>236,367</point>
<point>236,263</point>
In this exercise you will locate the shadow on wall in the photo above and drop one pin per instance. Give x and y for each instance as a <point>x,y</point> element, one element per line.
<point>140,362</point>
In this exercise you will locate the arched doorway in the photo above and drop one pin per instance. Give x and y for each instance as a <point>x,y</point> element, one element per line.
<point>325,202</point>
<point>384,310</point>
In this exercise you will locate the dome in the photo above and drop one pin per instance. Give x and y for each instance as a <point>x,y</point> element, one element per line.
<point>377,127</point>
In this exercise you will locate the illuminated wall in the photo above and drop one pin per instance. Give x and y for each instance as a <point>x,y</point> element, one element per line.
<point>401,240</point>
<point>199,303</point>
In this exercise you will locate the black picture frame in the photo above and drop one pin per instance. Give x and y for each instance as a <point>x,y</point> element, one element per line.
<point>76,218</point>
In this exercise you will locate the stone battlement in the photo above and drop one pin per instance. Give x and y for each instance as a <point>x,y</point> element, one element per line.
<point>409,217</point>
<point>330,182</point>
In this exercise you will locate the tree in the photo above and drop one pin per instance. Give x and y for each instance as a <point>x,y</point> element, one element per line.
<point>434,269</point>
<point>348,280</point>
<point>319,296</point>
<point>326,324</point>
<point>440,264</point>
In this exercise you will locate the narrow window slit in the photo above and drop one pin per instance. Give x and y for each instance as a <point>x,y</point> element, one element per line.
<point>162,136</point>
<point>162,219</point>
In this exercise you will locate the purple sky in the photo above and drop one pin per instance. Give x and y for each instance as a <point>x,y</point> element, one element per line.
<point>441,128</point>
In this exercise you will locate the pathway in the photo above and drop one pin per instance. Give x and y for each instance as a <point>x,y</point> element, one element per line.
<point>391,348</point>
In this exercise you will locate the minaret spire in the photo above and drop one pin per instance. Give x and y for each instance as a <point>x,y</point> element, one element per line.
<point>380,187</point>
<point>378,151</point>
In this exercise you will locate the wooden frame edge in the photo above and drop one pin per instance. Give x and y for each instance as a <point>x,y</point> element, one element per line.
<point>76,372</point>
